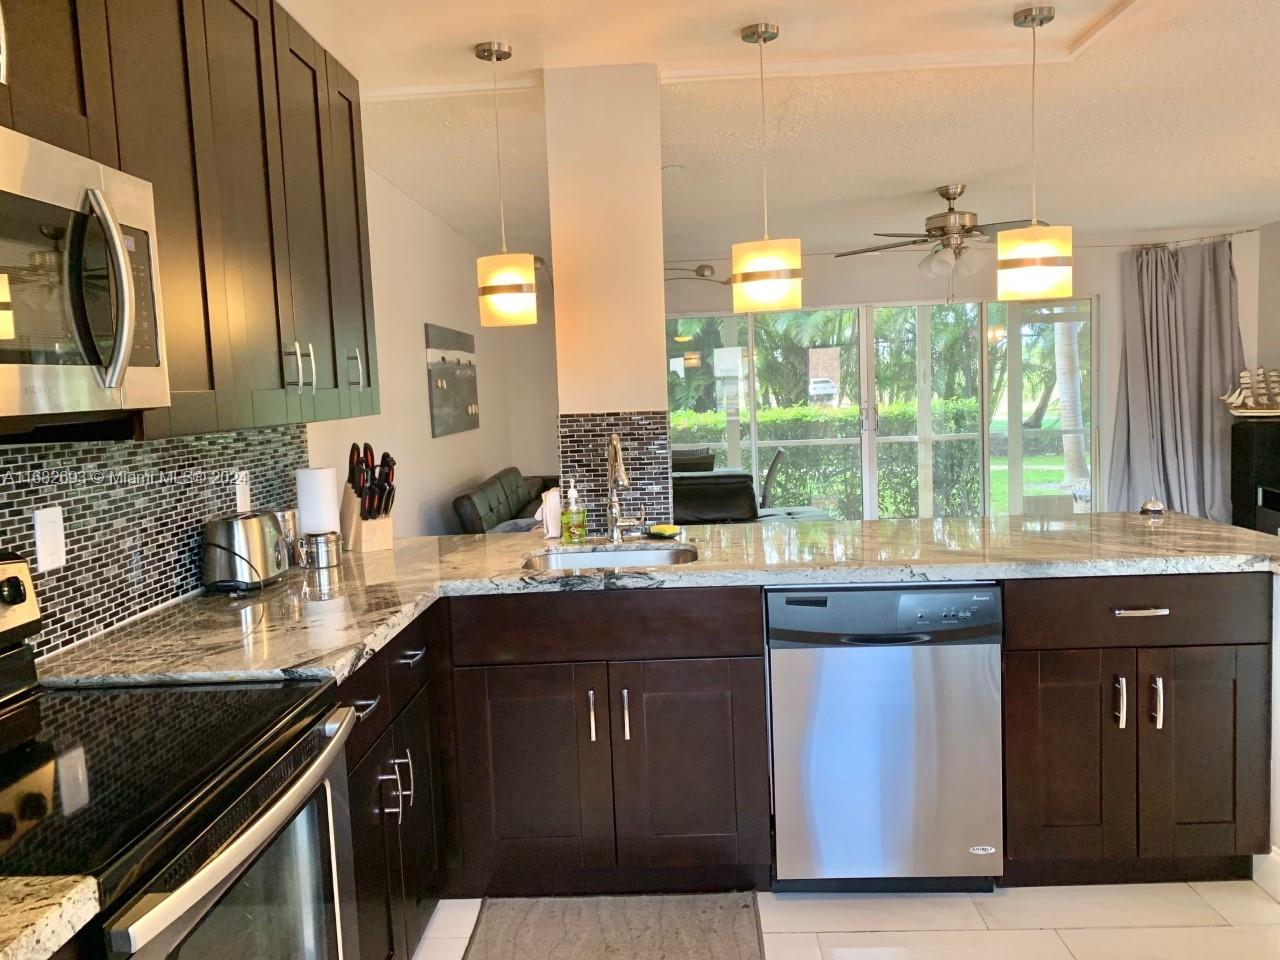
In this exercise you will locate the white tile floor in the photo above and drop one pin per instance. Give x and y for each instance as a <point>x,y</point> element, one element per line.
<point>1161,921</point>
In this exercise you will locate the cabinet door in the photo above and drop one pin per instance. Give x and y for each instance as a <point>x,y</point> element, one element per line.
<point>690,763</point>
<point>59,75</point>
<point>420,837</point>
<point>1070,761</point>
<point>155,74</point>
<point>242,190</point>
<point>1203,752</point>
<point>535,782</point>
<point>375,841</point>
<point>305,140</point>
<point>349,246</point>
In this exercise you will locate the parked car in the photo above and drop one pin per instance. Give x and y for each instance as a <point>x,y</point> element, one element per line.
<point>822,388</point>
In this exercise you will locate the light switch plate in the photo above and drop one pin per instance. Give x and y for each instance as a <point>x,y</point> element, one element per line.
<point>51,541</point>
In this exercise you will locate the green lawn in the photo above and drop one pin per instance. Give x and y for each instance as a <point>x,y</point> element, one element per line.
<point>1040,474</point>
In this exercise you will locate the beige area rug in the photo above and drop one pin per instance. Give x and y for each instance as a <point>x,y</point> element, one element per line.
<point>702,927</point>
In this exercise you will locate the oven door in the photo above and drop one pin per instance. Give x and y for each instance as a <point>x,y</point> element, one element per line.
<point>80,315</point>
<point>280,887</point>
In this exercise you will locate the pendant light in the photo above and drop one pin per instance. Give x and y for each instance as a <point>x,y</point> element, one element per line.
<point>506,285</point>
<point>766,273</point>
<point>1035,262</point>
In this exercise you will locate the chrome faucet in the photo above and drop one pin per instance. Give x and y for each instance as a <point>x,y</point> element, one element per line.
<point>617,477</point>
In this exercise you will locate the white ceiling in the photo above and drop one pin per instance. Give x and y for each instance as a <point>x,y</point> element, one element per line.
<point>408,46</point>
<point>1167,120</point>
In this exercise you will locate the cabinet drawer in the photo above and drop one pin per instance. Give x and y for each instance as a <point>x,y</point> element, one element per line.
<point>366,692</point>
<point>1161,611</point>
<point>677,623</point>
<point>408,659</point>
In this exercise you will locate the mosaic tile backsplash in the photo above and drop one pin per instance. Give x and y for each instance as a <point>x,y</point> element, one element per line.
<point>133,514</point>
<point>646,453</point>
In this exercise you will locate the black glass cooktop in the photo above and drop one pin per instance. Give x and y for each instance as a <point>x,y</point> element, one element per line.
<point>109,782</point>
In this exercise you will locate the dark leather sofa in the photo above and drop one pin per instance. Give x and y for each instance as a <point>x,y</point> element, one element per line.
<point>507,495</point>
<point>727,496</point>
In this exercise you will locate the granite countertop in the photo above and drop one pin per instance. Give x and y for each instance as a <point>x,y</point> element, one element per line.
<point>325,623</point>
<point>39,914</point>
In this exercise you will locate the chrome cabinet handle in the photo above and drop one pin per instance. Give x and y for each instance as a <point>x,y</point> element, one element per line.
<point>1122,712</point>
<point>116,367</point>
<point>626,714</point>
<point>591,713</point>
<point>1157,715</point>
<point>407,759</point>
<point>1141,611</point>
<point>399,808</point>
<point>413,658</point>
<point>366,707</point>
<point>359,369</point>
<point>297,355</point>
<point>311,352</point>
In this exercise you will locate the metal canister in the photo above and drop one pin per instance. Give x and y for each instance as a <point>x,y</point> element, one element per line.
<point>319,551</point>
<point>288,517</point>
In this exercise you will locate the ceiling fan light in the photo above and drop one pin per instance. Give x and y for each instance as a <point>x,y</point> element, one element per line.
<point>969,263</point>
<point>1034,263</point>
<point>944,261</point>
<point>766,275</point>
<point>926,264</point>
<point>507,290</point>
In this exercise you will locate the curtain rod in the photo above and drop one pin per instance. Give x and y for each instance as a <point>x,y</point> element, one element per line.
<point>1168,243</point>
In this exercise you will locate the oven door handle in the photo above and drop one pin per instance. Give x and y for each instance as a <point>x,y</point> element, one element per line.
<point>137,927</point>
<point>113,374</point>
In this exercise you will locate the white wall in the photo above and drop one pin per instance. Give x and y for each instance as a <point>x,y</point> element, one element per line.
<point>893,277</point>
<point>604,184</point>
<point>529,355</point>
<point>423,270</point>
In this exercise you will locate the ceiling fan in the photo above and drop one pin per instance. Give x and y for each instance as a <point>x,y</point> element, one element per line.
<point>949,233</point>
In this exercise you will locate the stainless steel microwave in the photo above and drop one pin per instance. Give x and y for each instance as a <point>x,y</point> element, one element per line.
<point>81,325</point>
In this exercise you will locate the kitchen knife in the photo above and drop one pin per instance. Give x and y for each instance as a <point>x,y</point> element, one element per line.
<point>388,500</point>
<point>355,470</point>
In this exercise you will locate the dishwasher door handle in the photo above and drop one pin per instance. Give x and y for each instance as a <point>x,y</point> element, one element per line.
<point>886,639</point>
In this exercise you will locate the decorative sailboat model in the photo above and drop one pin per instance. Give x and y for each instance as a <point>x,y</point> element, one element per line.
<point>1257,396</point>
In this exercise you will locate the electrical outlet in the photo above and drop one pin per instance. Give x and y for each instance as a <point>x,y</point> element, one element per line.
<point>51,540</point>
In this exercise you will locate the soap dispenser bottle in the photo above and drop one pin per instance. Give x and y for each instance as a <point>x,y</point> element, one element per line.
<point>573,521</point>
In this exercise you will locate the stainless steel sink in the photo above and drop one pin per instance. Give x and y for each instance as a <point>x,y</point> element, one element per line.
<point>612,559</point>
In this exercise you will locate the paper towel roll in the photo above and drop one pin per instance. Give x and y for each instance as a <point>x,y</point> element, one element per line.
<point>318,500</point>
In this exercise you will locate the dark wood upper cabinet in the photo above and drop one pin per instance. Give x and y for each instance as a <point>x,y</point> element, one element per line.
<point>1203,751</point>
<point>536,785</point>
<point>162,99</point>
<point>303,86</point>
<point>241,173</point>
<point>352,289</point>
<point>1070,767</point>
<point>59,75</point>
<point>689,762</point>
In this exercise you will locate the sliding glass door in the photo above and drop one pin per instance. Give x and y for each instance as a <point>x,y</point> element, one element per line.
<point>877,411</point>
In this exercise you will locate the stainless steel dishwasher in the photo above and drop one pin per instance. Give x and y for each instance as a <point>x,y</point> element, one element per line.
<point>885,732</point>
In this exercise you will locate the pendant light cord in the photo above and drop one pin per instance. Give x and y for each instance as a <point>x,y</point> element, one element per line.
<point>1035,159</point>
<point>764,144</point>
<point>497,149</point>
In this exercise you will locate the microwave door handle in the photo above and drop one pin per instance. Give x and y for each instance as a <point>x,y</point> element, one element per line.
<point>113,375</point>
<point>73,302</point>
<point>148,919</point>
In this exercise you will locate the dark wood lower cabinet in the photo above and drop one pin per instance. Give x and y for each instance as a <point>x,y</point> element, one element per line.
<point>593,777</point>
<point>421,849</point>
<point>689,762</point>
<point>375,841</point>
<point>1124,763</point>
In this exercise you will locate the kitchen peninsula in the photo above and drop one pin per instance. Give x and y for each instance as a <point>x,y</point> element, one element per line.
<point>455,641</point>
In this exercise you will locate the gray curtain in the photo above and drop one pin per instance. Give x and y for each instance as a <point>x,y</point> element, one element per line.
<point>1181,351</point>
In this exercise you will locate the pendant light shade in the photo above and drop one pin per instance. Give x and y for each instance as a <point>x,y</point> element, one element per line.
<point>507,290</point>
<point>767,273</point>
<point>506,285</point>
<point>1034,262</point>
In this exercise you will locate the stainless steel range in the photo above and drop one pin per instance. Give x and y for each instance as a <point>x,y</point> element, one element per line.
<point>885,728</point>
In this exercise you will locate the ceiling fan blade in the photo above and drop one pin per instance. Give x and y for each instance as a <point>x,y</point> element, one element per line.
<point>920,236</point>
<point>883,246</point>
<point>991,229</point>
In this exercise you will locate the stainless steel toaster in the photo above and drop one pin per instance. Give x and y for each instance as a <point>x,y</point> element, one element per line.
<point>243,551</point>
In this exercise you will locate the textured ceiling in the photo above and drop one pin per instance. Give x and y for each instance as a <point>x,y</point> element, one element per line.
<point>1169,120</point>
<point>409,45</point>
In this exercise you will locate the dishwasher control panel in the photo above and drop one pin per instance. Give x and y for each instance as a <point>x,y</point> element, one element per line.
<point>918,610</point>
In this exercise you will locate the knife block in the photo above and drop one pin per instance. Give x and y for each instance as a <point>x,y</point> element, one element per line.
<point>362,536</point>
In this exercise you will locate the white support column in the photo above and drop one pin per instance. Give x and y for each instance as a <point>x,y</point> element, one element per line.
<point>1014,349</point>
<point>924,409</point>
